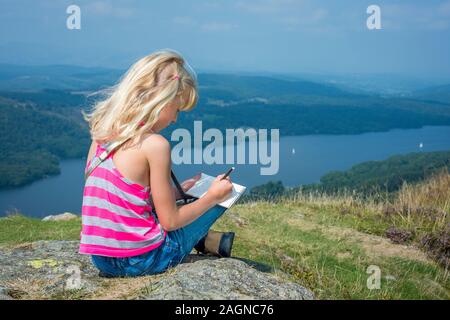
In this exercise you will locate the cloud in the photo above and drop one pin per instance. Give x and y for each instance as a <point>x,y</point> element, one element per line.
<point>218,26</point>
<point>444,9</point>
<point>292,15</point>
<point>186,21</point>
<point>213,26</point>
<point>267,6</point>
<point>104,8</point>
<point>438,25</point>
<point>315,17</point>
<point>416,16</point>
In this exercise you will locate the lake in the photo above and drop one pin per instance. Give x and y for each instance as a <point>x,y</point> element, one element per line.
<point>303,160</point>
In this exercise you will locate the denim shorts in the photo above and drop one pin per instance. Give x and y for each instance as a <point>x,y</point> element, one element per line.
<point>177,244</point>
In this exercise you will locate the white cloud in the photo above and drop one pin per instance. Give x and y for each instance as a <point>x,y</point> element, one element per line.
<point>267,6</point>
<point>104,8</point>
<point>416,16</point>
<point>186,21</point>
<point>218,26</point>
<point>444,9</point>
<point>438,25</point>
<point>310,19</point>
<point>213,26</point>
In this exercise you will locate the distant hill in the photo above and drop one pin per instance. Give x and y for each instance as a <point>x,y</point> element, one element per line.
<point>37,131</point>
<point>368,178</point>
<point>436,93</point>
<point>58,77</point>
<point>266,87</point>
<point>384,175</point>
<point>51,99</point>
<point>303,107</point>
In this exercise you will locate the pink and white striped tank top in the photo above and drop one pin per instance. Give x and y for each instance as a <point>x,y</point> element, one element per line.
<point>117,218</point>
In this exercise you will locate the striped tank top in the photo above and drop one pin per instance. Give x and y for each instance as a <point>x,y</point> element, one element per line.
<point>117,217</point>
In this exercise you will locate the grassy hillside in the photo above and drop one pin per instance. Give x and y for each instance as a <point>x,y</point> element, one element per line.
<point>327,243</point>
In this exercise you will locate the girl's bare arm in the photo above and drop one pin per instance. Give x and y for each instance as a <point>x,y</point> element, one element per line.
<point>171,217</point>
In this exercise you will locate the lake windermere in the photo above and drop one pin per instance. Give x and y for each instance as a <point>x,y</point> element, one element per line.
<point>302,160</point>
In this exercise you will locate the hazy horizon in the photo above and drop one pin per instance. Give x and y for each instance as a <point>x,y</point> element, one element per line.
<point>264,36</point>
<point>437,78</point>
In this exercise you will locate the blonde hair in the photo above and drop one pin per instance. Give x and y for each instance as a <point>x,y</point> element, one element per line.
<point>140,95</point>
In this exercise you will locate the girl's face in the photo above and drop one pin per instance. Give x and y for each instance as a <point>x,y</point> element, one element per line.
<point>169,113</point>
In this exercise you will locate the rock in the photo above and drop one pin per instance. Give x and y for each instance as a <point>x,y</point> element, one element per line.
<point>299,215</point>
<point>45,269</point>
<point>224,278</point>
<point>55,270</point>
<point>4,294</point>
<point>60,217</point>
<point>238,221</point>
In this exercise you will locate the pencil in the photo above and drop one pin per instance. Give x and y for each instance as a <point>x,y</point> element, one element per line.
<point>228,173</point>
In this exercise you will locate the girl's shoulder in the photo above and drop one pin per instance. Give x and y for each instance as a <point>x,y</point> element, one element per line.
<point>156,144</point>
<point>155,140</point>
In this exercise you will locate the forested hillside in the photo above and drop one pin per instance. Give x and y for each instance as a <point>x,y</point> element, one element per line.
<point>45,124</point>
<point>368,178</point>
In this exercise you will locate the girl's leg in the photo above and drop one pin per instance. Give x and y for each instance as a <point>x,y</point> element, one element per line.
<point>108,267</point>
<point>190,235</point>
<point>180,242</point>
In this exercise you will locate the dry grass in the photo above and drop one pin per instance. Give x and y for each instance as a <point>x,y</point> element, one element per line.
<point>424,204</point>
<point>417,213</point>
<point>320,249</point>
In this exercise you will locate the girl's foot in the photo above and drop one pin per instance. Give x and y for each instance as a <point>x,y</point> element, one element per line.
<point>216,243</point>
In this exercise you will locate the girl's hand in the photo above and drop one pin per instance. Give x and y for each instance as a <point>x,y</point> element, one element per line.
<point>189,183</point>
<point>220,190</point>
<point>186,185</point>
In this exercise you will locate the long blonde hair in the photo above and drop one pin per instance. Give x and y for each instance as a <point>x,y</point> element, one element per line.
<point>132,106</point>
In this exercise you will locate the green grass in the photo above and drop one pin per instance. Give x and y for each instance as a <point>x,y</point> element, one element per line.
<point>313,245</point>
<point>17,229</point>
<point>332,266</point>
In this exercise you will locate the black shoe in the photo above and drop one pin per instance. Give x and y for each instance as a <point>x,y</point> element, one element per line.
<point>226,244</point>
<point>217,243</point>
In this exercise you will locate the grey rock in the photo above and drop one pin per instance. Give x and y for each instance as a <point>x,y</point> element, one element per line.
<point>60,217</point>
<point>299,215</point>
<point>45,269</point>
<point>55,270</point>
<point>225,278</point>
<point>4,294</point>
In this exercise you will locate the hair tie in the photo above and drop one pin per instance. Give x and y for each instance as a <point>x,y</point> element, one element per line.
<point>141,124</point>
<point>176,77</point>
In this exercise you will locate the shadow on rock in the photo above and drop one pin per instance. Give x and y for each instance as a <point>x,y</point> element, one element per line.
<point>257,265</point>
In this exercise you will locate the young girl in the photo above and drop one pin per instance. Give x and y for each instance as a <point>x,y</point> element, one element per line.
<point>131,224</point>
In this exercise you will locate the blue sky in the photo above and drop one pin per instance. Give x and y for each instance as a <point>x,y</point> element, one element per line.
<point>289,36</point>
